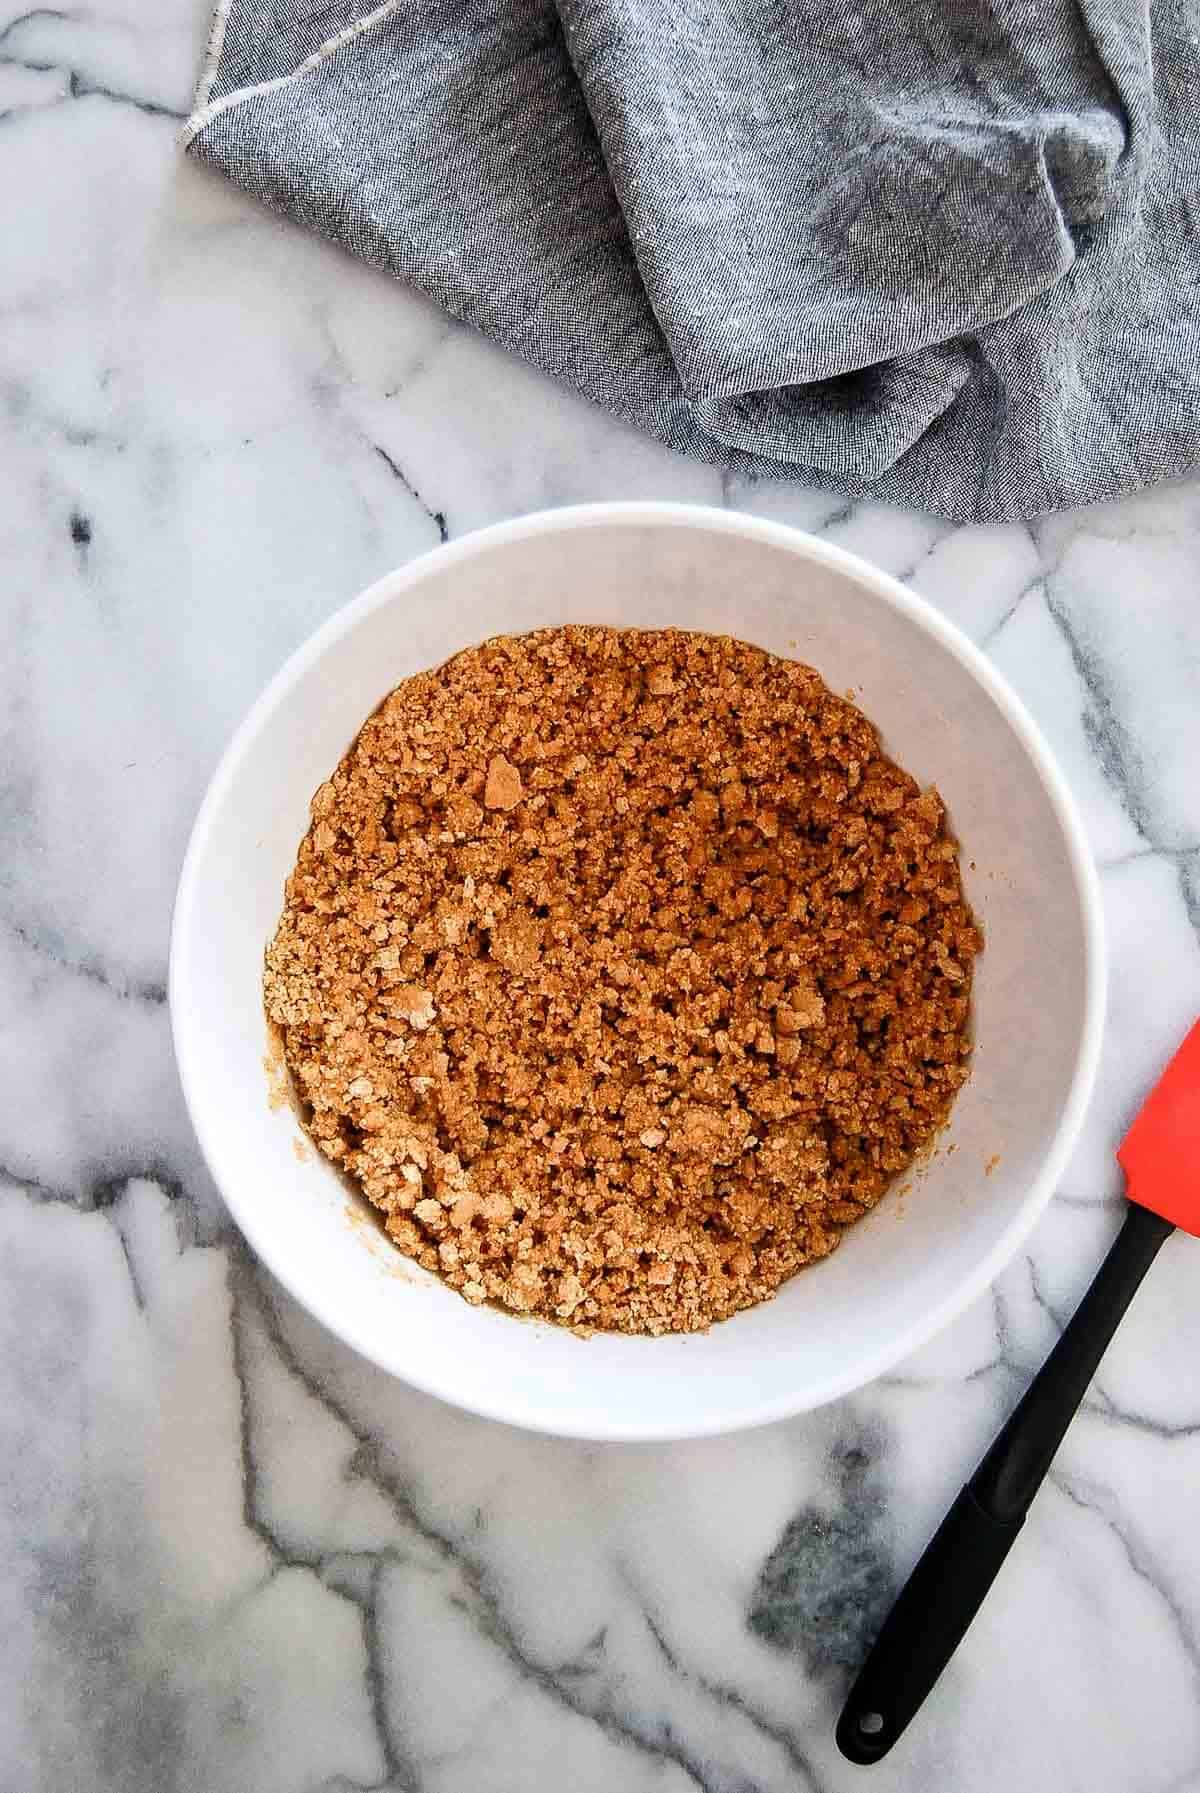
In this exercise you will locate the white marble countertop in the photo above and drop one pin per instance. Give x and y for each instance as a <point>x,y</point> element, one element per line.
<point>234,1557</point>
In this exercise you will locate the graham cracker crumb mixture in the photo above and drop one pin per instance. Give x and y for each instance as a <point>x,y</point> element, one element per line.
<point>623,971</point>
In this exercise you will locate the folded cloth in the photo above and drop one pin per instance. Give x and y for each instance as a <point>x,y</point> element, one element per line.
<point>944,255</point>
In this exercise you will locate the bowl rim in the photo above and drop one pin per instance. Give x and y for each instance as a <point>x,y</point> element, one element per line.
<point>516,1409</point>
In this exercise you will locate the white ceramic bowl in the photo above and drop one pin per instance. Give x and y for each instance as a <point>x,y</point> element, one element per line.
<point>900,1273</point>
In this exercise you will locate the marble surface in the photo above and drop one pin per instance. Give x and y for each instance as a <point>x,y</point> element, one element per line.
<point>232,1556</point>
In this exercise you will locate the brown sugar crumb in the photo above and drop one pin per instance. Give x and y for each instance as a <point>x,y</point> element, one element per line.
<point>623,971</point>
<point>503,789</point>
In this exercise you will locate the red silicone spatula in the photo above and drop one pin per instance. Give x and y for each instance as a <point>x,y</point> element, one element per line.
<point>1160,1156</point>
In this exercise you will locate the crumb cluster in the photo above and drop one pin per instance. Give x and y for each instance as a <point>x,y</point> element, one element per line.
<point>622,971</point>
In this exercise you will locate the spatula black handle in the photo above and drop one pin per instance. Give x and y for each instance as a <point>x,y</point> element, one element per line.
<point>1015,1467</point>
<point>948,1585</point>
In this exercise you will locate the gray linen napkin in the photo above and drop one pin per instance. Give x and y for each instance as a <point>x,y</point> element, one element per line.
<point>942,252</point>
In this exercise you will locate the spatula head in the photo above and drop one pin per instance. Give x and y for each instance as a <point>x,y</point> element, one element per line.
<point>1160,1154</point>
